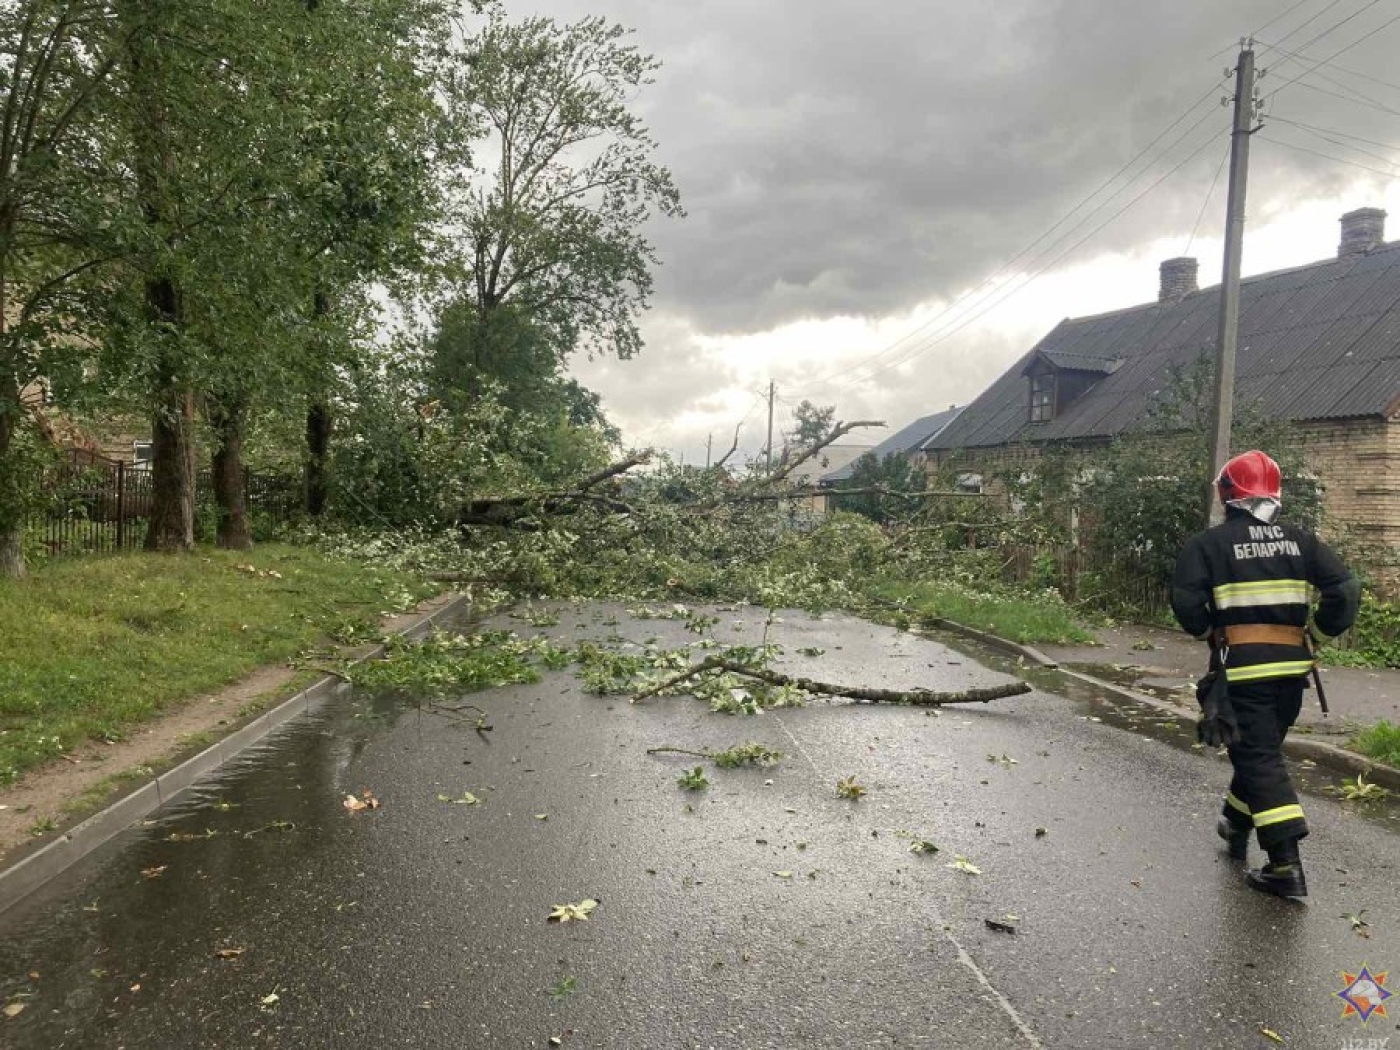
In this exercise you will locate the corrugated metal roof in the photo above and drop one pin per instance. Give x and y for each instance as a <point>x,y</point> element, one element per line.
<point>906,439</point>
<point>1316,342</point>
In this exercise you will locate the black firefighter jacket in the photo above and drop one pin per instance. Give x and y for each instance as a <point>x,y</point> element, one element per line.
<point>1243,572</point>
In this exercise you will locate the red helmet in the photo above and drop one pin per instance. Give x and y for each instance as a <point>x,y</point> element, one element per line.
<point>1250,475</point>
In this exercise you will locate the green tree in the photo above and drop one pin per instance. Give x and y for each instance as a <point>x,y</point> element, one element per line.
<point>280,161</point>
<point>1139,500</point>
<point>370,160</point>
<point>57,58</point>
<point>893,474</point>
<point>813,423</point>
<point>555,228</point>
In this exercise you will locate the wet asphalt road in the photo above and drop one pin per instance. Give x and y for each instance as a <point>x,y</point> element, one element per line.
<point>422,923</point>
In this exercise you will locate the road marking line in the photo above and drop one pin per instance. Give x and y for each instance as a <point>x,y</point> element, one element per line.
<point>971,964</point>
<point>800,749</point>
<point>963,956</point>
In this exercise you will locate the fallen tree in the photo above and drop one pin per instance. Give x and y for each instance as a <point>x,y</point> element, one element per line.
<point>524,512</point>
<point>866,694</point>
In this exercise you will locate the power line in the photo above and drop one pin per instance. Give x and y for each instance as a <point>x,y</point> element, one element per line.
<point>1317,133</point>
<point>1279,18</point>
<point>1349,98</point>
<point>1328,156</point>
<point>1206,203</point>
<point>1334,131</point>
<point>987,283</point>
<point>1336,68</point>
<point>972,302</point>
<point>1335,26</point>
<point>1342,51</point>
<point>1349,89</point>
<point>1068,251</point>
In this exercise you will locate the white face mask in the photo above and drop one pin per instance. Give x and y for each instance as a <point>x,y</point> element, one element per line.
<point>1262,508</point>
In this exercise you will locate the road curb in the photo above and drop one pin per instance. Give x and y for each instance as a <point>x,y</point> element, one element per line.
<point>24,877</point>
<point>1338,759</point>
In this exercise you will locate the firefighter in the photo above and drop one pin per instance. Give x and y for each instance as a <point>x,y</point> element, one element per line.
<point>1246,586</point>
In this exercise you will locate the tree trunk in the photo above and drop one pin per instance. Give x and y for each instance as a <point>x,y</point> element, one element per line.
<point>11,514</point>
<point>319,425</point>
<point>171,526</point>
<point>154,161</point>
<point>228,422</point>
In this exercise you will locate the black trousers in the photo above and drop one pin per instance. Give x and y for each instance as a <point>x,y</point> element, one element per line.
<point>1261,796</point>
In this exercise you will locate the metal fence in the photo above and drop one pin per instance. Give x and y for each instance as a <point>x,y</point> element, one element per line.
<point>94,505</point>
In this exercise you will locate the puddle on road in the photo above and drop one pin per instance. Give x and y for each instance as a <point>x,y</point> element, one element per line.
<point>1177,730</point>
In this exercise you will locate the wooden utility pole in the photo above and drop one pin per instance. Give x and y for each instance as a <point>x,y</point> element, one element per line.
<point>708,438</point>
<point>769,454</point>
<point>1227,331</point>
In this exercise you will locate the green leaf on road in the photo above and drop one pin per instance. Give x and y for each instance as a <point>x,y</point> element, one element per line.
<point>578,912</point>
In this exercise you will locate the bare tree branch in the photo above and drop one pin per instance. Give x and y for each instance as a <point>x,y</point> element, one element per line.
<point>838,431</point>
<point>732,448</point>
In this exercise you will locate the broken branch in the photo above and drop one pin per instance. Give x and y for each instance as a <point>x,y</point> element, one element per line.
<point>838,431</point>
<point>913,697</point>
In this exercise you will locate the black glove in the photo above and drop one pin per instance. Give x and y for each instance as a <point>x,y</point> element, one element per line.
<point>1217,726</point>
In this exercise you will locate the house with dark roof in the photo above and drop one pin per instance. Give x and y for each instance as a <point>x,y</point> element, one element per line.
<point>908,441</point>
<point>1319,346</point>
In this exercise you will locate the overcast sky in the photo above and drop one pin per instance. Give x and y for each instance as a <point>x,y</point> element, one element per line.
<point>856,173</point>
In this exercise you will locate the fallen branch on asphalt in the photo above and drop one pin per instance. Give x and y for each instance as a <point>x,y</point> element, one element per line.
<point>912,697</point>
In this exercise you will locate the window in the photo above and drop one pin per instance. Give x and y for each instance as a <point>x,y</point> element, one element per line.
<point>1043,397</point>
<point>142,453</point>
<point>970,484</point>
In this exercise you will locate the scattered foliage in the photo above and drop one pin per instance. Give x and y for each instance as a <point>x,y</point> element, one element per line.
<point>847,787</point>
<point>576,912</point>
<point>694,779</point>
<point>1359,789</point>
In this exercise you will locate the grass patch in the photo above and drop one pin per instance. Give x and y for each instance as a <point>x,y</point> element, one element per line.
<point>1381,742</point>
<point>1026,619</point>
<point>90,647</point>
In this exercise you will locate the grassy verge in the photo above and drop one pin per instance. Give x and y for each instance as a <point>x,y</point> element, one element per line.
<point>1381,742</point>
<point>1020,618</point>
<point>90,647</point>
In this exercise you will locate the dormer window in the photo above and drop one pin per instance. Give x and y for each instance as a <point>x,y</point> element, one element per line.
<point>1043,397</point>
<point>1058,379</point>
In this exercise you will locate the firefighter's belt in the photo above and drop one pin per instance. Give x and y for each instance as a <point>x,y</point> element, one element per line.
<point>1263,634</point>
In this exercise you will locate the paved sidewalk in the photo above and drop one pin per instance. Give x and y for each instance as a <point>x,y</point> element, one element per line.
<point>1167,664</point>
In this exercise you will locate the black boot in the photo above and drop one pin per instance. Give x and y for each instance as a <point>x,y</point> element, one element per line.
<point>1236,838</point>
<point>1283,875</point>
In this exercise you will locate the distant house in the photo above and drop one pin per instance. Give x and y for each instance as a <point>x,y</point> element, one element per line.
<point>909,441</point>
<point>1319,346</point>
<point>119,441</point>
<point>809,474</point>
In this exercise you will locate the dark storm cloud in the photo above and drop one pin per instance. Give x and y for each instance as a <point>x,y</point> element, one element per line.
<point>857,158</point>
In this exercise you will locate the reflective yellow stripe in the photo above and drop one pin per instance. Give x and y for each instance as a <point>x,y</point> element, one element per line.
<point>1262,592</point>
<point>1278,816</point>
<point>1278,670</point>
<point>1234,803</point>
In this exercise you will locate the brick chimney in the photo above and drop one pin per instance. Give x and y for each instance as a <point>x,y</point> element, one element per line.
<point>1178,279</point>
<point>1362,231</point>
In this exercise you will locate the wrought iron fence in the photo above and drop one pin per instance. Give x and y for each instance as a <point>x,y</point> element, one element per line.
<point>95,505</point>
